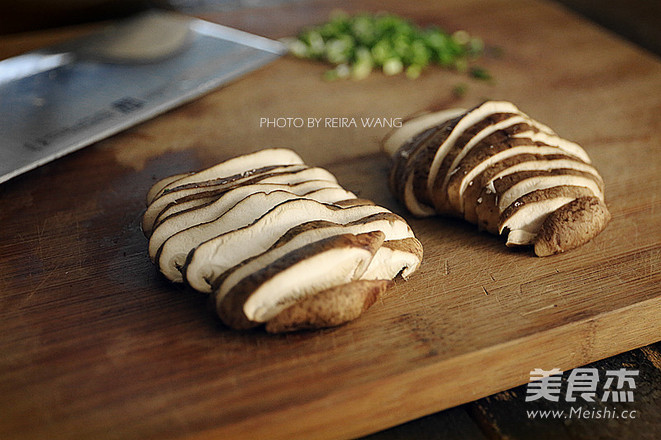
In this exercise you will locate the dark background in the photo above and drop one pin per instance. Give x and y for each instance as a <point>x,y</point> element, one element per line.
<point>636,20</point>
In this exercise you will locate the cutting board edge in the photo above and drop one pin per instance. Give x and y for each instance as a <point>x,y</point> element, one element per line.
<point>413,394</point>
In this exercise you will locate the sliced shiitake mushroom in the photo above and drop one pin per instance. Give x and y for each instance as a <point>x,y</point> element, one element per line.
<point>316,267</point>
<point>396,138</point>
<point>287,175</point>
<point>158,186</point>
<point>499,194</point>
<point>171,254</point>
<point>398,238</point>
<point>488,164</point>
<point>494,166</point>
<point>522,220</point>
<point>211,258</point>
<point>178,195</point>
<point>239,199</point>
<point>395,257</point>
<point>276,242</point>
<point>262,158</point>
<point>572,225</point>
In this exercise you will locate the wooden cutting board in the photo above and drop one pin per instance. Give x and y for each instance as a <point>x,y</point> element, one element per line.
<point>95,344</point>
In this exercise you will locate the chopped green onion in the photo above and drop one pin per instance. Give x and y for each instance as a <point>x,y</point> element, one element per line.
<point>480,73</point>
<point>393,66</point>
<point>459,90</point>
<point>358,44</point>
<point>413,71</point>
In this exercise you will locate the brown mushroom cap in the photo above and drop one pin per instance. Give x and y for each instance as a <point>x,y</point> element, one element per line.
<point>501,193</point>
<point>571,226</point>
<point>541,195</point>
<point>522,219</point>
<point>332,307</point>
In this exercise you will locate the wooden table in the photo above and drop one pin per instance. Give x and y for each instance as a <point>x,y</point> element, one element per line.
<point>94,343</point>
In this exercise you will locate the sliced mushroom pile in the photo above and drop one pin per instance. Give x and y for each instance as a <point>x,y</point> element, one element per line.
<point>498,168</point>
<point>276,242</point>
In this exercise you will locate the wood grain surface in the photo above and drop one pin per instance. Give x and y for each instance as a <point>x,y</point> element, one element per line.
<point>505,415</point>
<point>94,343</point>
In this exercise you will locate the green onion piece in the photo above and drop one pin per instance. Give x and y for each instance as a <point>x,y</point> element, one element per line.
<point>480,73</point>
<point>459,90</point>
<point>357,44</point>
<point>393,66</point>
<point>413,71</point>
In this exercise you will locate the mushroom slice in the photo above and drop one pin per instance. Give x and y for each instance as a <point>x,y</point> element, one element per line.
<point>215,256</point>
<point>572,225</point>
<point>395,257</point>
<point>158,186</point>
<point>486,163</point>
<point>413,178</point>
<point>518,184</point>
<point>409,129</point>
<point>239,197</point>
<point>497,195</point>
<point>186,194</point>
<point>411,170</point>
<point>517,131</point>
<point>424,165</point>
<point>455,139</point>
<point>291,175</point>
<point>412,203</point>
<point>216,206</point>
<point>329,194</point>
<point>525,216</point>
<point>240,164</point>
<point>330,308</point>
<point>316,267</point>
<point>396,231</point>
<point>353,202</point>
<point>419,165</point>
<point>495,128</point>
<point>494,166</point>
<point>185,204</point>
<point>497,131</point>
<point>410,181</point>
<point>401,161</point>
<point>468,120</point>
<point>171,253</point>
<point>255,205</point>
<point>568,146</point>
<point>402,144</point>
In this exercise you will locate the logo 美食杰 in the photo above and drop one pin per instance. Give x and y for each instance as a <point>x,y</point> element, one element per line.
<point>582,385</point>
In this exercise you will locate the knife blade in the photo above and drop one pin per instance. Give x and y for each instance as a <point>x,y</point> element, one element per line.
<point>56,100</point>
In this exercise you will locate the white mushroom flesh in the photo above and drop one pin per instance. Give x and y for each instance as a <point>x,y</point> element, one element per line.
<point>311,275</point>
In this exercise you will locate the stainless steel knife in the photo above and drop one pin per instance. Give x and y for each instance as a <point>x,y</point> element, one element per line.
<point>59,99</point>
